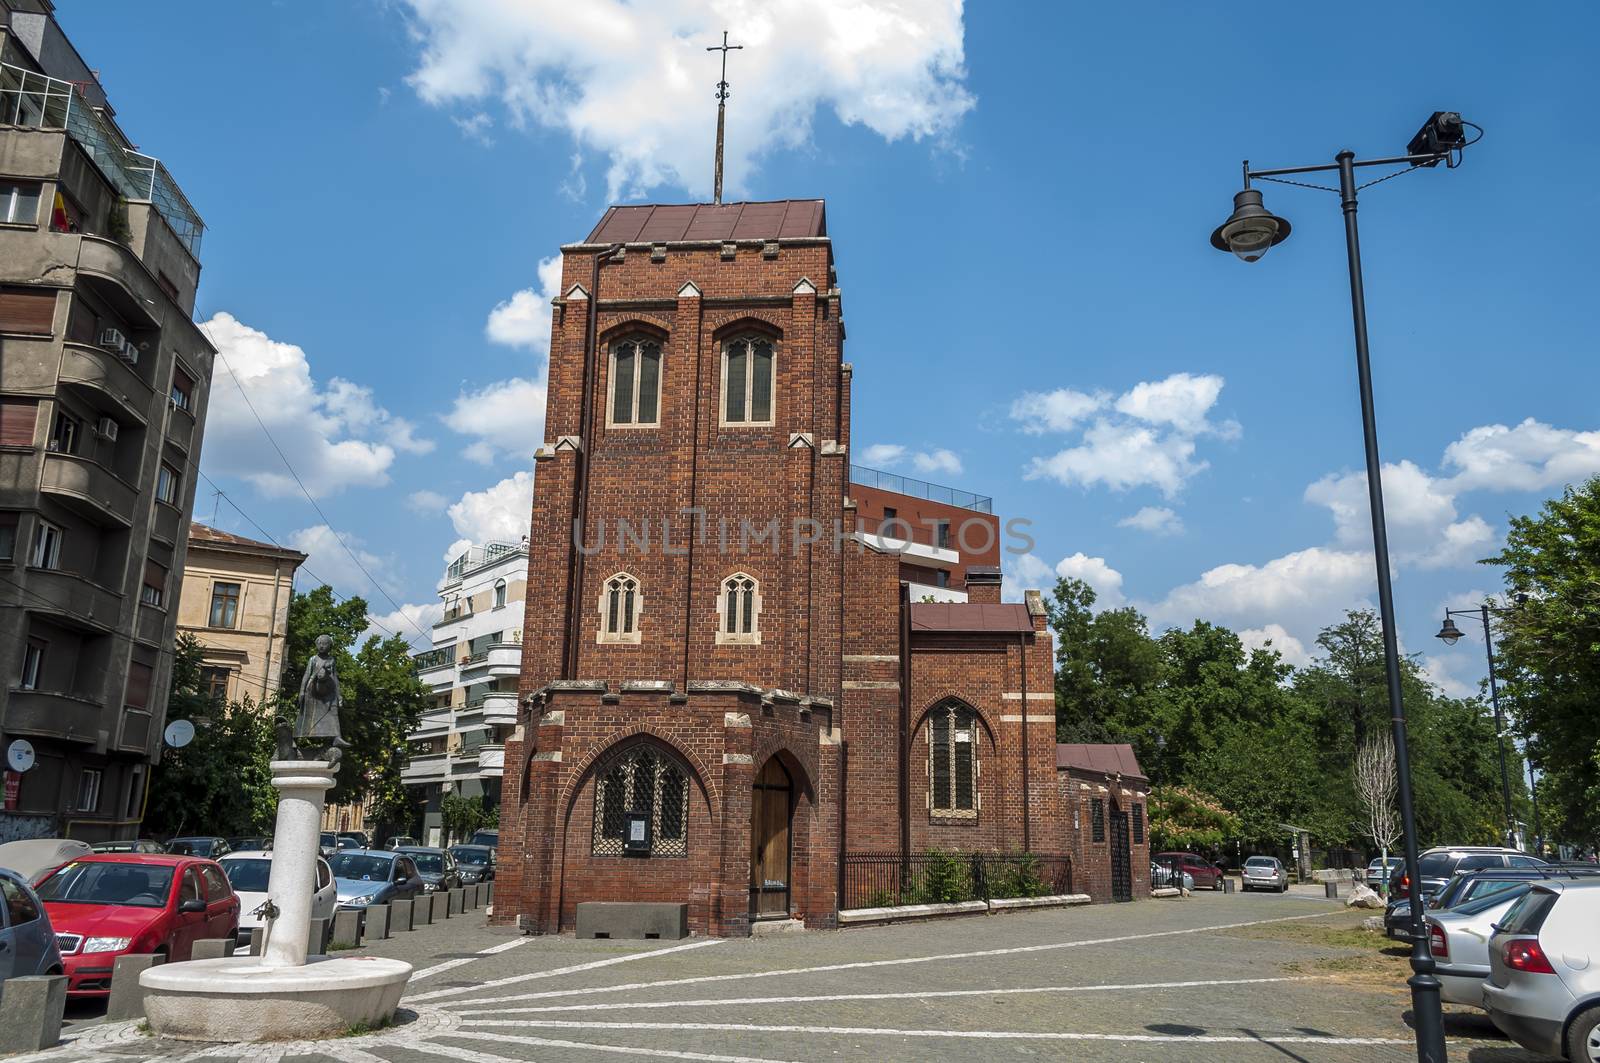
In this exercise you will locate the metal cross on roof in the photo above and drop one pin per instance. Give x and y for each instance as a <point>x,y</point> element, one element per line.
<point>722,106</point>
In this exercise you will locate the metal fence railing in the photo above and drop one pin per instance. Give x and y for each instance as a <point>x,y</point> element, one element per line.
<point>910,485</point>
<point>885,879</point>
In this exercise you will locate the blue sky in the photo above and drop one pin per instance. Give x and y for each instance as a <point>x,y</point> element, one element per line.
<point>1020,196</point>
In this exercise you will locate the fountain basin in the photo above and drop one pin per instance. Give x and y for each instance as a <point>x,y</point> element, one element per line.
<point>236,999</point>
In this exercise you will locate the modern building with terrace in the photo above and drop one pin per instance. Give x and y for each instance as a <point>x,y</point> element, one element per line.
<point>941,533</point>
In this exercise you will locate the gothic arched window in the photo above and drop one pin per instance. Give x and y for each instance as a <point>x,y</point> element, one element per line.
<point>953,761</point>
<point>739,610</point>
<point>748,381</point>
<point>635,382</point>
<point>646,780</point>
<point>499,593</point>
<point>621,603</point>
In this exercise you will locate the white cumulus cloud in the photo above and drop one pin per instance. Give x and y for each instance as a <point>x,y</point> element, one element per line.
<point>1106,581</point>
<point>333,565</point>
<point>1530,457</point>
<point>499,512</point>
<point>940,460</point>
<point>1060,410</point>
<point>1157,520</point>
<point>1182,400</point>
<point>1122,456</point>
<point>505,419</point>
<point>524,319</point>
<point>1274,636</point>
<point>884,454</point>
<point>932,460</point>
<point>633,82</point>
<point>1300,591</point>
<point>426,502</point>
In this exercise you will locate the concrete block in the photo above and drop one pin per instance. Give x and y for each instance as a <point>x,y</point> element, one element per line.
<point>255,941</point>
<point>633,920</point>
<point>458,901</point>
<point>316,937</point>
<point>400,913</point>
<point>31,1019</point>
<point>488,895</point>
<point>127,997</point>
<point>471,896</point>
<point>213,948</point>
<point>856,916</point>
<point>421,910</point>
<point>441,907</point>
<point>347,929</point>
<point>375,926</point>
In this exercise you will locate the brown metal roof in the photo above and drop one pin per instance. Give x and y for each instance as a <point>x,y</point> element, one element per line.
<point>670,223</point>
<point>205,535</point>
<point>1108,760</point>
<point>969,616</point>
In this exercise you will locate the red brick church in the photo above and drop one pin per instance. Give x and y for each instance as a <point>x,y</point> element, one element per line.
<point>729,693</point>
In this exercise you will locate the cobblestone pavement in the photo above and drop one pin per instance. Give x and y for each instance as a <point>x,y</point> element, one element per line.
<point>1211,977</point>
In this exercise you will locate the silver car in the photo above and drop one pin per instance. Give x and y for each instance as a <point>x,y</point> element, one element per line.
<point>1543,989</point>
<point>1459,940</point>
<point>1264,873</point>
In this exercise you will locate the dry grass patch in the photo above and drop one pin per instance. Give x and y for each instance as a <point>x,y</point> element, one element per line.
<point>1357,956</point>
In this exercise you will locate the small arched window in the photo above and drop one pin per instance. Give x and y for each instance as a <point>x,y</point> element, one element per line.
<point>953,762</point>
<point>621,604</point>
<point>647,781</point>
<point>635,382</point>
<point>499,593</point>
<point>748,381</point>
<point>739,610</point>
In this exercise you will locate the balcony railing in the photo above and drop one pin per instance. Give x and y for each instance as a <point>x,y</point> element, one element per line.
<point>906,485</point>
<point>40,102</point>
<point>431,659</point>
<point>478,556</point>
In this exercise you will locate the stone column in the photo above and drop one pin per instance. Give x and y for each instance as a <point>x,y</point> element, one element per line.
<point>302,786</point>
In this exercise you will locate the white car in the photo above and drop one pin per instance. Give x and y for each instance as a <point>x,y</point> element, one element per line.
<point>248,873</point>
<point>1264,873</point>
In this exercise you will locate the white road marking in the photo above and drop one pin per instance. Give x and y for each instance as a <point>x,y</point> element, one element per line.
<point>574,969</point>
<point>346,1054</point>
<point>982,1035</point>
<point>447,965</point>
<point>855,966</point>
<point>925,995</point>
<point>467,1055</point>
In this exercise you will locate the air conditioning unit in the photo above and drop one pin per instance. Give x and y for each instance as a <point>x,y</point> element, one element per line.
<point>129,353</point>
<point>106,429</point>
<point>113,339</point>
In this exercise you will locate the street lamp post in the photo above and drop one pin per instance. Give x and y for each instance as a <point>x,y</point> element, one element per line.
<point>1248,233</point>
<point>1450,634</point>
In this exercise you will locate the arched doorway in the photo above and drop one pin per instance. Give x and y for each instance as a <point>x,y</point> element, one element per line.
<point>771,820</point>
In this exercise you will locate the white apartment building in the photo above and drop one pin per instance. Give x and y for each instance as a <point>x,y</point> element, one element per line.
<point>459,745</point>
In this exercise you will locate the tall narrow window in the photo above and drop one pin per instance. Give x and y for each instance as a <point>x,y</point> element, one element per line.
<point>635,382</point>
<point>645,781</point>
<point>89,790</point>
<point>182,394</point>
<point>46,545</point>
<point>154,591</point>
<point>953,762</point>
<point>8,536</point>
<point>224,605</point>
<point>1097,820</point>
<point>747,381</point>
<point>32,664</point>
<point>64,436</point>
<point>499,593</point>
<point>167,484</point>
<point>1138,824</point>
<point>739,610</point>
<point>621,603</point>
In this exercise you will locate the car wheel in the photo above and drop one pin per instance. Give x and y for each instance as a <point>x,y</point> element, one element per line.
<point>1583,1036</point>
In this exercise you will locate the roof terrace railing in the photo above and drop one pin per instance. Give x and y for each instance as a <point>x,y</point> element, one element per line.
<point>38,101</point>
<point>478,556</point>
<point>906,485</point>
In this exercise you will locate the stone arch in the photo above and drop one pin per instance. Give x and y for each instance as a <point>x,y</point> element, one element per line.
<point>736,321</point>
<point>991,728</point>
<point>614,743</point>
<point>644,324</point>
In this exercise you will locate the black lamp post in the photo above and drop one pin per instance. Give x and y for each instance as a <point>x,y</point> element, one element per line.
<point>1450,634</point>
<point>1248,233</point>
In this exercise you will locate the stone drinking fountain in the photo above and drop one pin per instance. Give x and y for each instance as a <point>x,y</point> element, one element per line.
<point>285,992</point>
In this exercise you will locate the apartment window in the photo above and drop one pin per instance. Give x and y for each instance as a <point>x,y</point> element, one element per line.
<point>19,203</point>
<point>499,594</point>
<point>953,761</point>
<point>224,605</point>
<point>739,610</point>
<point>46,545</point>
<point>136,693</point>
<point>167,484</point>
<point>620,606</point>
<point>941,578</point>
<point>32,664</point>
<point>635,382</point>
<point>18,417</point>
<point>941,534</point>
<point>747,381</point>
<point>182,394</point>
<point>89,789</point>
<point>65,217</point>
<point>133,806</point>
<point>890,513</point>
<point>154,590</point>
<point>1097,820</point>
<point>214,681</point>
<point>648,781</point>
<point>8,536</point>
<point>64,436</point>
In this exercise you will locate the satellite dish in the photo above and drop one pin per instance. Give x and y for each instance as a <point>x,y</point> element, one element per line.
<point>19,755</point>
<point>179,733</point>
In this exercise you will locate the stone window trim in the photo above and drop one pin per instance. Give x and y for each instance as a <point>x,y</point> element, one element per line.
<point>621,606</point>
<point>739,604</point>
<point>642,777</point>
<point>638,348</point>
<point>738,396</point>
<point>499,594</point>
<point>953,763</point>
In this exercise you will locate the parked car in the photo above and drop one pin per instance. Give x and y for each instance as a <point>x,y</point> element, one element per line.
<point>33,858</point>
<point>105,905</point>
<point>1543,989</point>
<point>27,940</point>
<point>363,877</point>
<point>1380,871</point>
<point>436,866</point>
<point>491,838</point>
<point>1438,867</point>
<point>1264,873</point>
<point>130,845</point>
<point>328,844</point>
<point>1471,885</point>
<point>475,862</point>
<point>403,841</point>
<point>210,848</point>
<point>248,873</point>
<point>1161,875</point>
<point>358,838</point>
<point>1203,871</point>
<point>249,844</point>
<point>1459,940</point>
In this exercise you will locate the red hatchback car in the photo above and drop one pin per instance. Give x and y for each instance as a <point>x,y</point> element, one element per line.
<point>111,904</point>
<point>1206,875</point>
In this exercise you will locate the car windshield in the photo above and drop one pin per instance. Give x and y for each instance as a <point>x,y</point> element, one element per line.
<point>1259,861</point>
<point>1483,902</point>
<point>124,885</point>
<point>361,866</point>
<point>248,876</point>
<point>470,856</point>
<point>190,846</point>
<point>431,862</point>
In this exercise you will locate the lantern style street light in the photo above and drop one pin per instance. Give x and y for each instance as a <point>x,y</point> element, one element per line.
<point>1450,634</point>
<point>1248,233</point>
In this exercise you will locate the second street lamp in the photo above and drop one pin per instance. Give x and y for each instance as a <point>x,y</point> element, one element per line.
<point>1450,635</point>
<point>1248,233</point>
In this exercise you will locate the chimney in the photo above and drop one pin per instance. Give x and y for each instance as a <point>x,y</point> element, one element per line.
<point>983,584</point>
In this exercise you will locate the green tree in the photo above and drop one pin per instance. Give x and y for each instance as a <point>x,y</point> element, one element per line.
<point>464,815</point>
<point>1187,820</point>
<point>219,783</point>
<point>1106,664</point>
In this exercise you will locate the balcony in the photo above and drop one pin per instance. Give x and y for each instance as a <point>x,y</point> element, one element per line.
<point>89,488</point>
<point>433,722</point>
<point>921,553</point>
<point>501,660</point>
<point>490,553</point>
<point>500,708</point>
<point>150,626</point>
<point>116,275</point>
<point>906,485</point>
<point>75,596</point>
<point>164,525</point>
<point>926,591</point>
<point>491,760</point>
<point>427,768</point>
<point>111,383</point>
<point>54,714</point>
<point>180,427</point>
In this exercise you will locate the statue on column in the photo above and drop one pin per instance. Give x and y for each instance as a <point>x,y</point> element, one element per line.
<point>316,726</point>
